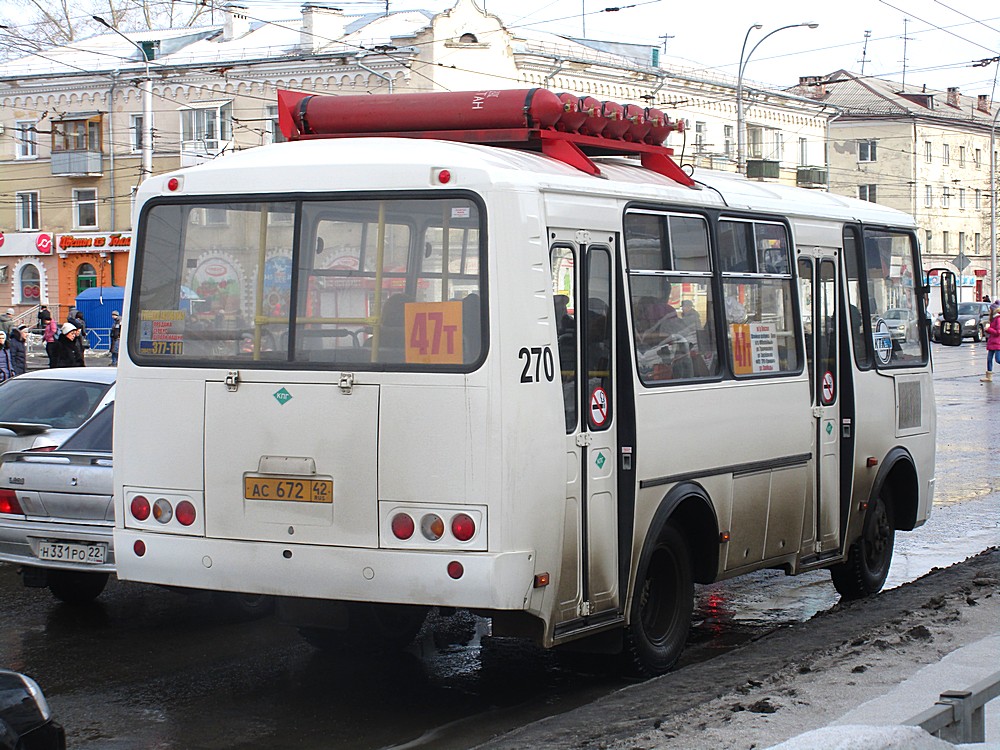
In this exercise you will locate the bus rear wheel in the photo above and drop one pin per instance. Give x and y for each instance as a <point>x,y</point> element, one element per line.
<point>662,603</point>
<point>867,565</point>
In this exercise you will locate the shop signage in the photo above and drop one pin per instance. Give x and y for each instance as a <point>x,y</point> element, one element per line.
<point>87,243</point>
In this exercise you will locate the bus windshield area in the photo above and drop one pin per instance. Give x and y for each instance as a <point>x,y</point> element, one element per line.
<point>372,283</point>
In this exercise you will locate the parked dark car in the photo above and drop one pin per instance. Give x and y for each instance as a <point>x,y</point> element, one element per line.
<point>974,317</point>
<point>25,719</point>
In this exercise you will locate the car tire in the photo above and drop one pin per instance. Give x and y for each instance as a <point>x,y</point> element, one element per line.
<point>978,335</point>
<point>74,587</point>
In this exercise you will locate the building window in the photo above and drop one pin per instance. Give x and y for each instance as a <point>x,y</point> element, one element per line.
<point>945,154</point>
<point>208,128</point>
<point>803,152</point>
<point>867,193</point>
<point>945,197</point>
<point>700,128</point>
<point>927,240</point>
<point>85,209</point>
<point>727,132</point>
<point>779,146</point>
<point>961,242</point>
<point>979,198</point>
<point>25,139</point>
<point>927,152</point>
<point>136,131</point>
<point>961,197</point>
<point>977,159</point>
<point>86,277</point>
<point>944,242</point>
<point>31,284</point>
<point>27,211</point>
<point>928,196</point>
<point>83,134</point>
<point>274,131</point>
<point>978,240</point>
<point>961,156</point>
<point>755,142</point>
<point>866,150</point>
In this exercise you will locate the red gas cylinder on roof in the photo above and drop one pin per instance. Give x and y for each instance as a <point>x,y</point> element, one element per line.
<point>617,124</point>
<point>573,115</point>
<point>460,110</point>
<point>595,121</point>
<point>639,126</point>
<point>659,126</point>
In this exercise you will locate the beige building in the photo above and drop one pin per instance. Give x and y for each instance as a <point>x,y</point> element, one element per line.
<point>74,137</point>
<point>923,152</point>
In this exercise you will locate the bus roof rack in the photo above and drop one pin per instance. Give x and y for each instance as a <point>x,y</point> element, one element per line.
<point>565,127</point>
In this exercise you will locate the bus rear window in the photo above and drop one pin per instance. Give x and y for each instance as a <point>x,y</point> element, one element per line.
<point>362,283</point>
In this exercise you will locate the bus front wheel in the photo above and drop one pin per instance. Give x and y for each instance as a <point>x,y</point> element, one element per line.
<point>662,604</point>
<point>867,565</point>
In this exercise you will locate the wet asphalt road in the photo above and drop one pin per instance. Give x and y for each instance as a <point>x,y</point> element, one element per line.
<point>150,668</point>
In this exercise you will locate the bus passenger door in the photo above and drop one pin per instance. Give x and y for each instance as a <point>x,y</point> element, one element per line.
<point>818,276</point>
<point>582,282</point>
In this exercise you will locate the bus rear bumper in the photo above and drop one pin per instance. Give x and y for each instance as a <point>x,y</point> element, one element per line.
<point>488,581</point>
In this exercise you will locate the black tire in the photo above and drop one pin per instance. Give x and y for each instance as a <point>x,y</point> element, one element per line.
<point>978,335</point>
<point>867,564</point>
<point>74,587</point>
<point>662,604</point>
<point>371,627</point>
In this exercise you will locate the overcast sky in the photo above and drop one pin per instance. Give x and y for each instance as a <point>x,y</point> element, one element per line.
<point>945,38</point>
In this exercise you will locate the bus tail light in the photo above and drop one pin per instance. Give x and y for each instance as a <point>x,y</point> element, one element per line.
<point>455,569</point>
<point>463,528</point>
<point>9,503</point>
<point>139,548</point>
<point>402,526</point>
<point>432,527</point>
<point>162,510</point>
<point>140,508</point>
<point>185,513</point>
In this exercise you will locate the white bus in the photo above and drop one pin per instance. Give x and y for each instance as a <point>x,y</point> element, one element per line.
<point>378,374</point>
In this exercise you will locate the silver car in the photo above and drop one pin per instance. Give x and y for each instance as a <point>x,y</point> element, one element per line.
<point>56,514</point>
<point>40,409</point>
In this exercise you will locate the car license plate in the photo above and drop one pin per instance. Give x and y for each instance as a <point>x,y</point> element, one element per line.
<point>85,554</point>
<point>290,489</point>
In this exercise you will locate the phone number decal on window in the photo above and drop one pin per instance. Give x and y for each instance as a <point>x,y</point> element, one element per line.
<point>161,347</point>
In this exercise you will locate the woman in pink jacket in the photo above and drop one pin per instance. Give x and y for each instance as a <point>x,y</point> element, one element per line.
<point>992,344</point>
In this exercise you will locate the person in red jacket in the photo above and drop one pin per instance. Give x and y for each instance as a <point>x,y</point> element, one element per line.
<point>992,344</point>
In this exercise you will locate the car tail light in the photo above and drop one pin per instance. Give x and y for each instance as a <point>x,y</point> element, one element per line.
<point>9,503</point>
<point>42,449</point>
<point>162,511</point>
<point>432,527</point>
<point>140,508</point>
<point>463,527</point>
<point>402,526</point>
<point>185,513</point>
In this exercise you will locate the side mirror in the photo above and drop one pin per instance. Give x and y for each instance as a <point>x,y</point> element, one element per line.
<point>951,330</point>
<point>25,719</point>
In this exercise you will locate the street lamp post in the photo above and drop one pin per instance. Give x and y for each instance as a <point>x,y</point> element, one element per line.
<point>147,104</point>
<point>744,59</point>
<point>993,207</point>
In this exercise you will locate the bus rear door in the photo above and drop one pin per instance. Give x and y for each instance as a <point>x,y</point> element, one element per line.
<point>583,273</point>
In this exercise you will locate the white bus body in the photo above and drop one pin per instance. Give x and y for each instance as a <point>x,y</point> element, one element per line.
<point>600,453</point>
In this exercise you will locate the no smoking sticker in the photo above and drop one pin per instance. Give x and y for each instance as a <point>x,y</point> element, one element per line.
<point>828,387</point>
<point>598,407</point>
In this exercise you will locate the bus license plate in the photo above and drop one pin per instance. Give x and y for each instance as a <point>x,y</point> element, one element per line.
<point>85,554</point>
<point>289,489</point>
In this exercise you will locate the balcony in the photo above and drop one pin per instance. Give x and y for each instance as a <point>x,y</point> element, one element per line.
<point>77,163</point>
<point>762,169</point>
<point>811,177</point>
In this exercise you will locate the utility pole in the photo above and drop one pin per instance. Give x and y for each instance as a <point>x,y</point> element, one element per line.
<point>864,51</point>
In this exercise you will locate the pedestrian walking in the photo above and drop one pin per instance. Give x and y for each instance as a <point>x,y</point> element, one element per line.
<point>66,351</point>
<point>7,321</point>
<point>6,366</point>
<point>44,316</point>
<point>49,335</point>
<point>116,335</point>
<point>992,344</point>
<point>18,345</point>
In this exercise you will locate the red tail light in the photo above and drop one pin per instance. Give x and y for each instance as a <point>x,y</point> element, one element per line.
<point>9,503</point>
<point>139,508</point>
<point>402,526</point>
<point>463,527</point>
<point>43,448</point>
<point>185,513</point>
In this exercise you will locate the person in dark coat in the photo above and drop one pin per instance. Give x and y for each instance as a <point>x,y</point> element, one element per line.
<point>6,365</point>
<point>67,353</point>
<point>18,346</point>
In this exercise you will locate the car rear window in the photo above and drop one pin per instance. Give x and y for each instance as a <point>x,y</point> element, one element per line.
<point>96,434</point>
<point>61,404</point>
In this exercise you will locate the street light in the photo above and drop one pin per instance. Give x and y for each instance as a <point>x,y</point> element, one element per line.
<point>993,207</point>
<point>147,104</point>
<point>744,59</point>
